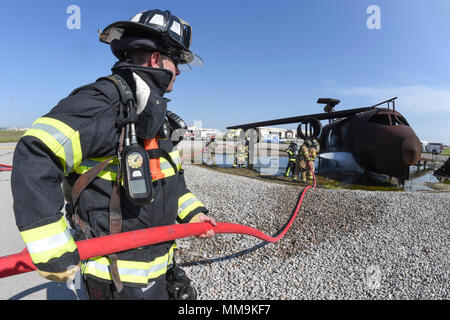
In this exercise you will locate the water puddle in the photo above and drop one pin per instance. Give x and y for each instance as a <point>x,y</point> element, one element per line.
<point>272,168</point>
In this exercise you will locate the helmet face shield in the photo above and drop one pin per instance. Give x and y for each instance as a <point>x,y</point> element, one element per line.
<point>110,34</point>
<point>175,33</point>
<point>195,62</point>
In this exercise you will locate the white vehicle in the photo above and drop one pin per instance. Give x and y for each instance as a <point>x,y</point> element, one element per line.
<point>435,148</point>
<point>273,138</point>
<point>424,145</point>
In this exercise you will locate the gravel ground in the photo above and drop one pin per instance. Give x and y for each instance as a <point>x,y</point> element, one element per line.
<point>344,244</point>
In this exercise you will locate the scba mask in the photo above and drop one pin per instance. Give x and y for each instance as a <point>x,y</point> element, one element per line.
<point>153,118</point>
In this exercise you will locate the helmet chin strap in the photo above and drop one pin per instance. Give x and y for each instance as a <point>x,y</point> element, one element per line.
<point>142,93</point>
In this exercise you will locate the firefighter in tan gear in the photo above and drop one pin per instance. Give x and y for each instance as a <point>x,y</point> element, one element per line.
<point>301,166</point>
<point>212,145</point>
<point>83,130</point>
<point>241,154</point>
<point>314,149</point>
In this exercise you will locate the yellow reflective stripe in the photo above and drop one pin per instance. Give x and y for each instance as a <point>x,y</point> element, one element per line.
<point>64,142</point>
<point>168,172</point>
<point>166,167</point>
<point>49,241</point>
<point>109,173</point>
<point>186,204</point>
<point>73,135</point>
<point>114,161</point>
<point>106,175</point>
<point>184,198</point>
<point>176,158</point>
<point>129,271</point>
<point>43,232</point>
<point>189,209</point>
<point>92,267</point>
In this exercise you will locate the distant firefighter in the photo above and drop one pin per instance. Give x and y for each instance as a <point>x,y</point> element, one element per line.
<point>292,154</point>
<point>316,145</point>
<point>212,145</point>
<point>314,148</point>
<point>240,155</point>
<point>301,162</point>
<point>443,171</point>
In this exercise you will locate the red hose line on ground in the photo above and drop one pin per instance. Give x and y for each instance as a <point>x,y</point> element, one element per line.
<point>5,167</point>
<point>21,262</point>
<point>206,148</point>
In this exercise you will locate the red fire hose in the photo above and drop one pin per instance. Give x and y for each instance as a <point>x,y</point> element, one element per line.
<point>5,167</point>
<point>21,262</point>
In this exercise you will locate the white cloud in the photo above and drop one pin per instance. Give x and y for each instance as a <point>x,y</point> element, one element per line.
<point>418,98</point>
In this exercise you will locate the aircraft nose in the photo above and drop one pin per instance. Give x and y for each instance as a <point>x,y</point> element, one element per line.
<point>411,150</point>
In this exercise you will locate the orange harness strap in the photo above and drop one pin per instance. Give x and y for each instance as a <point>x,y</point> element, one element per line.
<point>155,166</point>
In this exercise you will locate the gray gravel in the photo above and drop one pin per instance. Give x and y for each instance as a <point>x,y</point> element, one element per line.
<point>344,244</point>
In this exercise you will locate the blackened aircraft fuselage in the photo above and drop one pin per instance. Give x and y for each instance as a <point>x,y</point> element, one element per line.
<point>379,139</point>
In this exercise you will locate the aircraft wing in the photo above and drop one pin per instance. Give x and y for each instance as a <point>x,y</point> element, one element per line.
<point>318,116</point>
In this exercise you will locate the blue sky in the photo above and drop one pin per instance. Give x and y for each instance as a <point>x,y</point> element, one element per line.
<point>263,59</point>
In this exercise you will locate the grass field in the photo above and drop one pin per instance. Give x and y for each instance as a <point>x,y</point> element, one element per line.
<point>11,135</point>
<point>446,152</point>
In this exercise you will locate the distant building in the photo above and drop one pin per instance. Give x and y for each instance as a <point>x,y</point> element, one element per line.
<point>196,133</point>
<point>266,134</point>
<point>281,133</point>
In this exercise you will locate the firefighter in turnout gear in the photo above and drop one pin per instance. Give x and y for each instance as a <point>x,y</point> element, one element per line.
<point>86,129</point>
<point>292,154</point>
<point>240,155</point>
<point>301,163</point>
<point>212,145</point>
<point>316,145</point>
<point>314,149</point>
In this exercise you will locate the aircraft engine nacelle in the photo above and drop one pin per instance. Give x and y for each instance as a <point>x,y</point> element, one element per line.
<point>309,129</point>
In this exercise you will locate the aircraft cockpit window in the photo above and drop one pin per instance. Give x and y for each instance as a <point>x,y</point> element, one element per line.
<point>402,120</point>
<point>380,119</point>
<point>396,121</point>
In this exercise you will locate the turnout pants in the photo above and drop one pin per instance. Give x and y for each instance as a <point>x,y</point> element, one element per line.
<point>290,168</point>
<point>300,167</point>
<point>212,156</point>
<point>309,170</point>
<point>97,290</point>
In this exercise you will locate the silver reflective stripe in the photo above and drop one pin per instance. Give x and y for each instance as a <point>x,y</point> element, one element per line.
<point>62,139</point>
<point>98,266</point>
<point>159,267</point>
<point>49,243</point>
<point>130,271</point>
<point>186,204</point>
<point>165,165</point>
<point>134,272</point>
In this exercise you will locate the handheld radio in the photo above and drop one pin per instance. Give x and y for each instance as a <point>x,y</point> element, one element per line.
<point>135,165</point>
